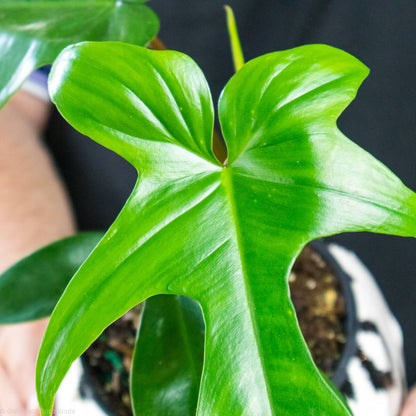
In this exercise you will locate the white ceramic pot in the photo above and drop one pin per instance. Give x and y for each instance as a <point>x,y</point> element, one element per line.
<point>373,366</point>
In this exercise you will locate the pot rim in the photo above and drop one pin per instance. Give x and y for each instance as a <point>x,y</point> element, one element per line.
<point>351,322</point>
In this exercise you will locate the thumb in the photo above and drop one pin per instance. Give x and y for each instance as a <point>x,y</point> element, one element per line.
<point>409,408</point>
<point>9,399</point>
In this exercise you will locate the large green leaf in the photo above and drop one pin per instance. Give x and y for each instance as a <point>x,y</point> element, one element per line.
<point>33,32</point>
<point>167,360</point>
<point>224,236</point>
<point>31,288</point>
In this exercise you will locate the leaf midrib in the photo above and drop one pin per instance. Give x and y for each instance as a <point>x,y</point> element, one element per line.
<point>229,189</point>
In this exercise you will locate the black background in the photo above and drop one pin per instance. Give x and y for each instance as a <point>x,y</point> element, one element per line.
<point>382,119</point>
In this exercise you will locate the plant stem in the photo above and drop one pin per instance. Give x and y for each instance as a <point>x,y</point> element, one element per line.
<point>236,50</point>
<point>157,45</point>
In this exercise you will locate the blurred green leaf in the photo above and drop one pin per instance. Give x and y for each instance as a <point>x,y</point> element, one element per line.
<point>168,357</point>
<point>224,236</point>
<point>33,32</point>
<point>31,288</point>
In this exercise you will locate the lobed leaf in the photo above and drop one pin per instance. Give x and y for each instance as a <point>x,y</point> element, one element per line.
<point>224,236</point>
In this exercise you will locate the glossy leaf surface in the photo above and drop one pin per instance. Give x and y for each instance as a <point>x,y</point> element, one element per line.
<point>31,288</point>
<point>224,236</point>
<point>33,32</point>
<point>167,360</point>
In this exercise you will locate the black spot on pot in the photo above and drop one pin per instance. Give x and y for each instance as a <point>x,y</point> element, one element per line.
<point>347,390</point>
<point>369,326</point>
<point>380,379</point>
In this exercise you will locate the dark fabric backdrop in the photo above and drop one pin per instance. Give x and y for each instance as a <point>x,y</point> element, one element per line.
<point>381,120</point>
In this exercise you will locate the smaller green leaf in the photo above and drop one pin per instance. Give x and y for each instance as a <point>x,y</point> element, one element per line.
<point>32,33</point>
<point>31,288</point>
<point>168,357</point>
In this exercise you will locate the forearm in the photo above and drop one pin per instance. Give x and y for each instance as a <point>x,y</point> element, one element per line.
<point>34,208</point>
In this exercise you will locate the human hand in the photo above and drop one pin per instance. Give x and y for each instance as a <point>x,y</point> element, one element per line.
<point>34,211</point>
<point>19,345</point>
<point>409,408</point>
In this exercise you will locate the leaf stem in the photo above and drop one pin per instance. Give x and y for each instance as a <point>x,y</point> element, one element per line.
<point>157,45</point>
<point>236,50</point>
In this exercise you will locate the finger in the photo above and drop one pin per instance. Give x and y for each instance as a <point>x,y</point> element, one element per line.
<point>21,356</point>
<point>410,404</point>
<point>9,399</point>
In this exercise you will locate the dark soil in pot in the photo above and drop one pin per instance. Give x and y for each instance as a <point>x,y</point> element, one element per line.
<point>320,305</point>
<point>318,297</point>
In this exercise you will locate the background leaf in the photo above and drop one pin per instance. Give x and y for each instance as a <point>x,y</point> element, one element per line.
<point>32,33</point>
<point>224,236</point>
<point>31,288</point>
<point>168,357</point>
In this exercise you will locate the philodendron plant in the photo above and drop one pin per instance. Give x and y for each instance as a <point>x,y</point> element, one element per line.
<point>222,232</point>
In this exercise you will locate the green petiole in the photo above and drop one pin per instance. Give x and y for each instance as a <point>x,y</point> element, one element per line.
<point>237,52</point>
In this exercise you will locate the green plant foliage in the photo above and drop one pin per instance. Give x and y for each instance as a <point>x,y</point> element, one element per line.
<point>224,236</point>
<point>31,288</point>
<point>33,32</point>
<point>167,360</point>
